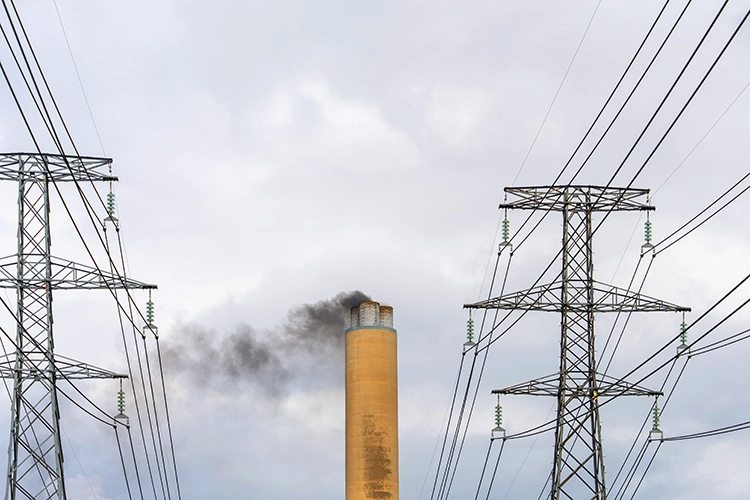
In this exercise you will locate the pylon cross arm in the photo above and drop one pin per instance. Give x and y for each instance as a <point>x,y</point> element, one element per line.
<point>539,298</point>
<point>576,198</point>
<point>577,385</point>
<point>67,275</point>
<point>65,367</point>
<point>607,298</point>
<point>57,168</point>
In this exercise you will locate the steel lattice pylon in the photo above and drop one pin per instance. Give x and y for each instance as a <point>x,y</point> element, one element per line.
<point>578,465</point>
<point>35,455</point>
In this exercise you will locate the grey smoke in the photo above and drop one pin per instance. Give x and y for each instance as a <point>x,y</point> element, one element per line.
<point>308,348</point>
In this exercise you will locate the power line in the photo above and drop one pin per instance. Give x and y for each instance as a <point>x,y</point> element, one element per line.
<point>481,373</point>
<point>122,461</point>
<point>450,418</point>
<point>623,489</point>
<point>725,342</point>
<point>683,108</point>
<point>711,433</point>
<point>135,393</point>
<point>484,469</point>
<point>557,93</point>
<point>605,106</point>
<point>78,75</point>
<point>653,151</point>
<point>697,216</point>
<point>47,118</point>
<point>646,471</point>
<point>494,472</point>
<point>708,132</point>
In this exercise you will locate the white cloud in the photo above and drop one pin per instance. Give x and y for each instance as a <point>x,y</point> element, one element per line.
<point>276,154</point>
<point>457,115</point>
<point>309,125</point>
<point>80,487</point>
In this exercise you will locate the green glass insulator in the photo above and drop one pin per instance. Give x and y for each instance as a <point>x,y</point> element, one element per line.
<point>150,312</point>
<point>683,333</point>
<point>111,203</point>
<point>470,330</point>
<point>506,230</point>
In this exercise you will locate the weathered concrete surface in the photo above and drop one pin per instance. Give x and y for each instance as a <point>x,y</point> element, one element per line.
<point>371,414</point>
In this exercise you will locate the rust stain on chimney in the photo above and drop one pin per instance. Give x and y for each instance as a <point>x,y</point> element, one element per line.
<point>376,456</point>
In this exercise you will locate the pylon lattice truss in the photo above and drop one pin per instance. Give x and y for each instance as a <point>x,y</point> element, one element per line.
<point>35,455</point>
<point>578,465</point>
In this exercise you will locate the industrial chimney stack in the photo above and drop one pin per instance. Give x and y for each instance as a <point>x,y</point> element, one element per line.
<point>371,404</point>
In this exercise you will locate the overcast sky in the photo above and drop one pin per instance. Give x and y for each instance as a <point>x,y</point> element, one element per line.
<point>275,154</point>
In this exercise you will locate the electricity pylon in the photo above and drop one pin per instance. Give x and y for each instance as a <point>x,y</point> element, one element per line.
<point>35,455</point>
<point>578,465</point>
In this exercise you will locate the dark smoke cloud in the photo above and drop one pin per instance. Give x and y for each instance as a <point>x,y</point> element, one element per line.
<point>309,346</point>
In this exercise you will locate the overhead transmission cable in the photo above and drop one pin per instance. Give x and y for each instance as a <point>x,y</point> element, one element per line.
<point>52,132</point>
<point>122,462</point>
<point>617,86</point>
<point>484,469</point>
<point>557,93</point>
<point>687,103</point>
<point>450,418</point>
<point>628,316</point>
<point>594,122</point>
<point>705,135</point>
<point>452,449</point>
<point>627,479</point>
<point>697,351</point>
<point>689,346</point>
<point>660,106</point>
<point>701,213</point>
<point>601,112</point>
<point>38,148</point>
<point>711,433</point>
<point>75,455</point>
<point>692,95</point>
<point>480,375</point>
<point>139,417</point>
<point>43,110</point>
<point>683,108</point>
<point>719,344</point>
<point>53,181</point>
<point>494,471</point>
<point>78,75</point>
<point>169,421</point>
<point>142,378</point>
<point>650,462</point>
<point>612,123</point>
<point>679,76</point>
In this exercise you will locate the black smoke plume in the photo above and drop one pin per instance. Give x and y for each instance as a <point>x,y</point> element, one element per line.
<point>307,347</point>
